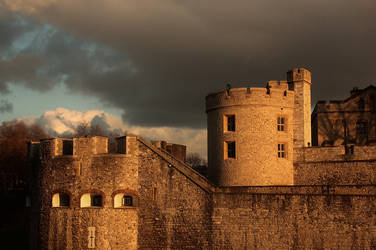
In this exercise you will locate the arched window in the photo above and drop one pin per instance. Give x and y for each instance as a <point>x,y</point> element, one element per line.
<point>60,200</point>
<point>127,201</point>
<point>124,200</point>
<point>91,200</point>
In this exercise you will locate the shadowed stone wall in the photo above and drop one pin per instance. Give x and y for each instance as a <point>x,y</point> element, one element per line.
<point>87,170</point>
<point>271,219</point>
<point>174,212</point>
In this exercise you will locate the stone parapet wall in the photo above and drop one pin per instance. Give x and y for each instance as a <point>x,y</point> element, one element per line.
<point>335,173</point>
<point>250,96</point>
<point>335,153</point>
<point>335,165</point>
<point>293,221</point>
<point>367,190</point>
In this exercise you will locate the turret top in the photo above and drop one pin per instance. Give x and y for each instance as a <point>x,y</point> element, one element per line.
<point>299,74</point>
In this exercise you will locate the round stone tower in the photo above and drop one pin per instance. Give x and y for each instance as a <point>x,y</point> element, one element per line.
<point>250,135</point>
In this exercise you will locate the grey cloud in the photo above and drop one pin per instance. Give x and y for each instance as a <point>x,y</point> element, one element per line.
<point>10,28</point>
<point>22,69</point>
<point>5,106</point>
<point>163,61</point>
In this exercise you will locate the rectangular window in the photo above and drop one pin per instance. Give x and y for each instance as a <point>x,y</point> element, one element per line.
<point>229,123</point>
<point>361,128</point>
<point>96,200</point>
<point>67,147</point>
<point>230,150</point>
<point>127,201</point>
<point>281,124</point>
<point>64,200</point>
<point>281,150</point>
<point>91,237</point>
<point>80,172</point>
<point>154,194</point>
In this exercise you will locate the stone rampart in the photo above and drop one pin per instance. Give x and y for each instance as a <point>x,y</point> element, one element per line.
<point>293,220</point>
<point>175,209</point>
<point>337,165</point>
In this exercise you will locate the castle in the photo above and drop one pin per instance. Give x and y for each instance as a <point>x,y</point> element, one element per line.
<point>269,185</point>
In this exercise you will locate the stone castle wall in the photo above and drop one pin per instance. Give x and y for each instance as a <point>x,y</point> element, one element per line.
<point>87,170</point>
<point>178,217</point>
<point>171,208</point>
<point>244,220</point>
<point>256,136</point>
<point>254,206</point>
<point>178,209</point>
<point>335,166</point>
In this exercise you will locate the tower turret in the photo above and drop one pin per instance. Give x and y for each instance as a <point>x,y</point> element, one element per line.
<point>250,136</point>
<point>299,80</point>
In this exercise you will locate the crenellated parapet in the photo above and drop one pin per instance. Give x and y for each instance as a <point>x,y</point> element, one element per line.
<point>79,146</point>
<point>299,74</point>
<point>274,95</point>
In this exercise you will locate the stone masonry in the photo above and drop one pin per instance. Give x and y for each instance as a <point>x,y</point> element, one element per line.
<point>145,196</point>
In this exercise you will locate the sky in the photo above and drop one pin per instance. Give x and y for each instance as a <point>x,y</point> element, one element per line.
<point>151,63</point>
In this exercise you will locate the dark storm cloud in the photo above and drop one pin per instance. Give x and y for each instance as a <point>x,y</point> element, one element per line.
<point>165,58</point>
<point>22,69</point>
<point>11,27</point>
<point>15,68</point>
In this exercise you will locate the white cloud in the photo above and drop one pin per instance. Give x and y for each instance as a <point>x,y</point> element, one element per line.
<point>64,121</point>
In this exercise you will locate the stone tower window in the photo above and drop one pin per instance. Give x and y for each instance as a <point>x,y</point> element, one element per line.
<point>64,200</point>
<point>361,128</point>
<point>127,201</point>
<point>60,200</point>
<point>67,147</point>
<point>122,200</point>
<point>230,150</point>
<point>229,123</point>
<point>155,193</point>
<point>281,123</point>
<point>281,150</point>
<point>91,237</point>
<point>361,104</point>
<point>96,200</point>
<point>91,200</point>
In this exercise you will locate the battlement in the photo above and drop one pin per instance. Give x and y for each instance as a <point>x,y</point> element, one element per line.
<point>283,84</point>
<point>177,150</point>
<point>73,146</point>
<point>79,146</point>
<point>96,145</point>
<point>298,74</point>
<point>279,95</point>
